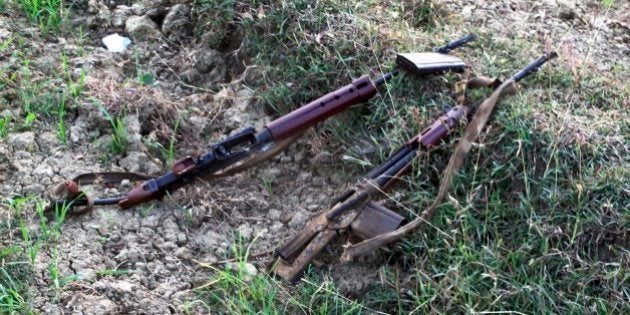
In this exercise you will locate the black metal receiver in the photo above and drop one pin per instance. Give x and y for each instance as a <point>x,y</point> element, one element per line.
<point>248,142</point>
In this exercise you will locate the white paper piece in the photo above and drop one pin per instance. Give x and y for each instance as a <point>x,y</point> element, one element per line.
<point>116,43</point>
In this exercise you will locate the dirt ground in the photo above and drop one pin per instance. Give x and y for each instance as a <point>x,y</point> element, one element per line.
<point>158,246</point>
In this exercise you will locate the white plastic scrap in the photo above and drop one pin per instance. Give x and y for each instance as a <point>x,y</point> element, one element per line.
<point>116,43</point>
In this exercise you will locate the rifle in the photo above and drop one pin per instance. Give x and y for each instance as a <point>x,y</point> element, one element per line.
<point>248,146</point>
<point>355,211</point>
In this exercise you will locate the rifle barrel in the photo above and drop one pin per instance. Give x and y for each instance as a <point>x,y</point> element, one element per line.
<point>386,77</point>
<point>456,43</point>
<point>533,67</point>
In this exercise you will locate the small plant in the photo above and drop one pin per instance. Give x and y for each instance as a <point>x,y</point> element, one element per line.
<point>29,120</point>
<point>74,87</point>
<point>267,183</point>
<point>62,133</point>
<point>171,143</point>
<point>112,272</point>
<point>48,14</point>
<point>11,299</point>
<point>143,77</point>
<point>119,140</point>
<point>4,125</point>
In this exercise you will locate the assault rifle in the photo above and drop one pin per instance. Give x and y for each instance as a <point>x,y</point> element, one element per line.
<point>232,153</point>
<point>354,210</point>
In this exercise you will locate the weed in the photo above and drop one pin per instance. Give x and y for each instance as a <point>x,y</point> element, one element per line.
<point>48,14</point>
<point>142,77</point>
<point>119,140</point>
<point>36,96</point>
<point>171,142</point>
<point>237,290</point>
<point>11,293</point>
<point>267,183</point>
<point>74,88</point>
<point>4,125</point>
<point>62,133</point>
<point>111,272</point>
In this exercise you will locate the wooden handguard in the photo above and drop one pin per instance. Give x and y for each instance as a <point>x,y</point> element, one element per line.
<point>438,131</point>
<point>359,91</point>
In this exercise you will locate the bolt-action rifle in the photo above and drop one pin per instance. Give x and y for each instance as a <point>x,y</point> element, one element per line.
<point>249,147</point>
<point>355,211</point>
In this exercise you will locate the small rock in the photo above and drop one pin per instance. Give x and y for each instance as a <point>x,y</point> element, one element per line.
<point>78,131</point>
<point>123,286</point>
<point>134,138</point>
<point>196,125</point>
<point>102,143</point>
<point>246,231</point>
<point>208,70</point>
<point>177,23</point>
<point>43,170</point>
<point>274,214</point>
<point>141,28</point>
<point>101,13</point>
<point>183,253</point>
<point>120,15</point>
<point>249,270</point>
<point>24,141</point>
<point>47,142</point>
<point>139,162</point>
<point>567,10</point>
<point>151,8</point>
<point>467,11</point>
<point>299,218</point>
<point>240,113</point>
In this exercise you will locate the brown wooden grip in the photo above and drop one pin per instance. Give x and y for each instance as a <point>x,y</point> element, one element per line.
<point>141,193</point>
<point>359,91</point>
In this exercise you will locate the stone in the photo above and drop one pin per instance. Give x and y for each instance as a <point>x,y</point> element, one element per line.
<point>24,141</point>
<point>151,8</point>
<point>101,14</point>
<point>177,24</point>
<point>246,231</point>
<point>248,270</point>
<point>208,70</point>
<point>142,28</point>
<point>120,15</point>
<point>567,10</point>
<point>78,131</point>
<point>134,138</point>
<point>274,214</point>
<point>139,162</point>
<point>298,218</point>
<point>240,114</point>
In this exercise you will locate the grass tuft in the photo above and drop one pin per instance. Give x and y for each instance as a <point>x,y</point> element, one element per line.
<point>48,14</point>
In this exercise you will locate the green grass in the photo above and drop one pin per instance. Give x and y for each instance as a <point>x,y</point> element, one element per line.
<point>119,141</point>
<point>234,290</point>
<point>4,125</point>
<point>17,262</point>
<point>540,224</point>
<point>48,14</point>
